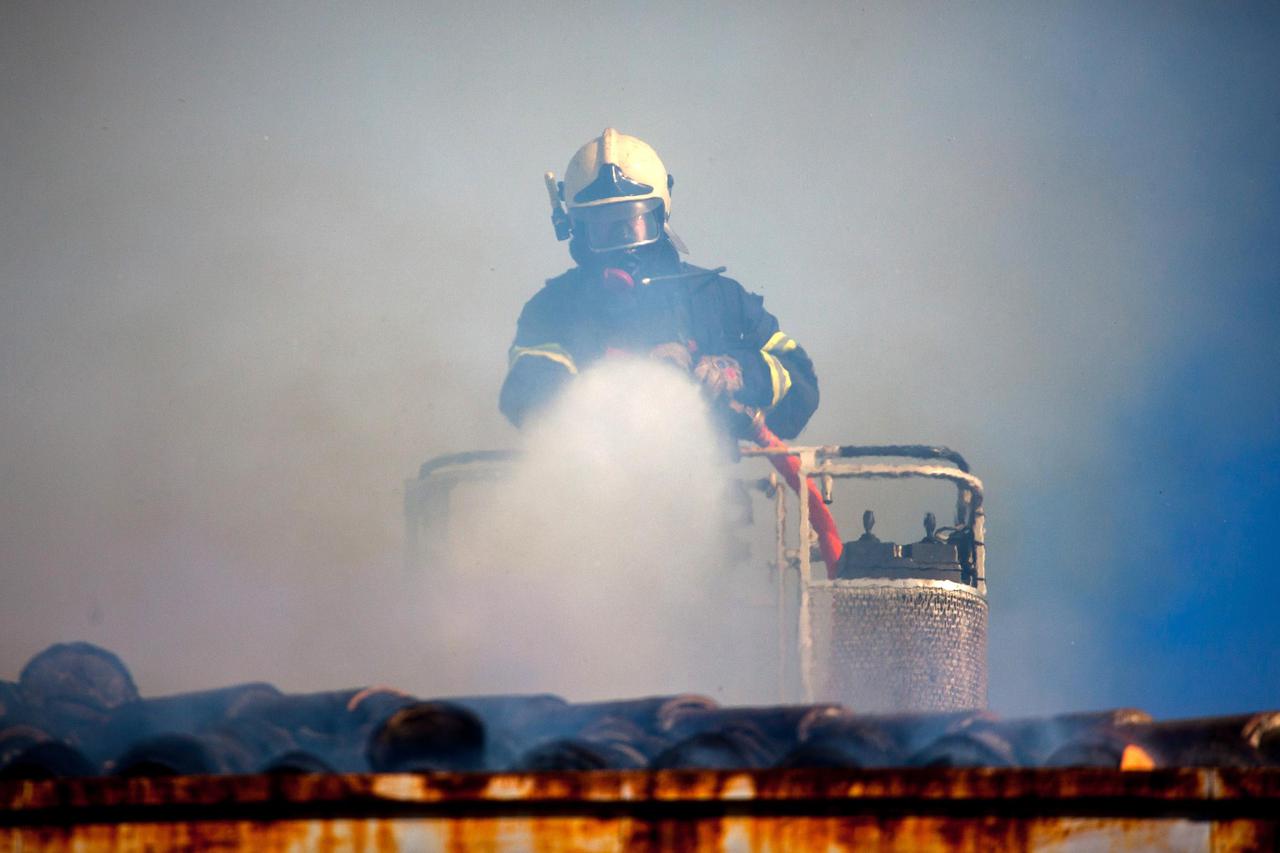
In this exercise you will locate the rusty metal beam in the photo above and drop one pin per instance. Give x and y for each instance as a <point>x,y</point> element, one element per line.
<point>935,809</point>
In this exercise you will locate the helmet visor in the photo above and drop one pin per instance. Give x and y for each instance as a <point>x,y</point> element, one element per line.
<point>620,225</point>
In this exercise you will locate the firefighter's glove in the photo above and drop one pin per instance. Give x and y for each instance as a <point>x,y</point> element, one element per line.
<point>720,375</point>
<point>739,420</point>
<point>673,353</point>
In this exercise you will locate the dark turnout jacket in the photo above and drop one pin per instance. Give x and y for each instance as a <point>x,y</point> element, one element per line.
<point>587,313</point>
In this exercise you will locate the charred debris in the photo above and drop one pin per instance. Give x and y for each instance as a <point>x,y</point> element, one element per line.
<point>75,712</point>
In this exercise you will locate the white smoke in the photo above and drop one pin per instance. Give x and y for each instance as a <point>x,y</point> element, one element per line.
<point>600,568</point>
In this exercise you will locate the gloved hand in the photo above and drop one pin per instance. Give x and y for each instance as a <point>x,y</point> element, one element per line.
<point>720,375</point>
<point>674,352</point>
<point>741,420</point>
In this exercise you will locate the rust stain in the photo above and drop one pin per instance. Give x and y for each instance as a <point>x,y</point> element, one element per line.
<point>461,836</point>
<point>757,811</point>
<point>627,786</point>
<point>404,787</point>
<point>590,835</point>
<point>384,836</point>
<point>554,835</point>
<point>1117,833</point>
<point>669,834</point>
<point>1251,784</point>
<point>1244,835</point>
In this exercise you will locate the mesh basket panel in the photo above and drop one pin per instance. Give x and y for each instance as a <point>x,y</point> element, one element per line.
<point>899,645</point>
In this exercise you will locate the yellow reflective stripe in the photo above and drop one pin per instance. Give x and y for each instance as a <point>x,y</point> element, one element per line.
<point>555,352</point>
<point>779,376</point>
<point>778,343</point>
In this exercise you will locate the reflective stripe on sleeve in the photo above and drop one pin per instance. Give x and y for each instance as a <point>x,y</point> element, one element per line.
<point>778,374</point>
<point>779,342</point>
<point>555,352</point>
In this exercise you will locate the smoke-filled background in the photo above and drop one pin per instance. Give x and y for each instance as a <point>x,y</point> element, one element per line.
<point>258,261</point>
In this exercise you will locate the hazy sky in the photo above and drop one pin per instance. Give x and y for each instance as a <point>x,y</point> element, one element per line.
<point>258,261</point>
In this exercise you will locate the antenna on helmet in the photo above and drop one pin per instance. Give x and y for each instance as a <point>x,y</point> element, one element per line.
<point>559,216</point>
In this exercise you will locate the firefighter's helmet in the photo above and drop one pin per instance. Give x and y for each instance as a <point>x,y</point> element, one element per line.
<point>618,193</point>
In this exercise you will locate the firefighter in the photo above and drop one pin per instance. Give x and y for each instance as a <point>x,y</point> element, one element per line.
<point>630,293</point>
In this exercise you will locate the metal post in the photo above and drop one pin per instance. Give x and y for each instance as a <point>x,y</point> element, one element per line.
<point>780,578</point>
<point>980,548</point>
<point>808,461</point>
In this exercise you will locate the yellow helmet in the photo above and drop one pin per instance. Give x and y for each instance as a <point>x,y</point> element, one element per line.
<point>618,193</point>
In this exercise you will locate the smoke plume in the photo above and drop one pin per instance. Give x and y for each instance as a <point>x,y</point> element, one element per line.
<point>601,568</point>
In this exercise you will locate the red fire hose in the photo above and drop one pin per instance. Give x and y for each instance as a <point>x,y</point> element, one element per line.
<point>824,525</point>
<point>829,542</point>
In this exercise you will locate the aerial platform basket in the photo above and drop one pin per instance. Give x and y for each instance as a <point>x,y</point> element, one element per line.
<point>895,628</point>
<point>890,628</point>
